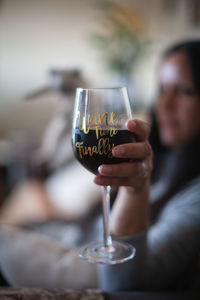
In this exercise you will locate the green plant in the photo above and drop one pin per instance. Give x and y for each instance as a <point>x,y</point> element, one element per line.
<point>121,36</point>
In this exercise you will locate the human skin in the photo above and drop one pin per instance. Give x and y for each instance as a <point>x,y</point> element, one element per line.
<point>177,112</point>
<point>130,210</point>
<point>178,108</point>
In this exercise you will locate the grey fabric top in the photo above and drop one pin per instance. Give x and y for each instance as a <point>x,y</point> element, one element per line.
<point>167,254</point>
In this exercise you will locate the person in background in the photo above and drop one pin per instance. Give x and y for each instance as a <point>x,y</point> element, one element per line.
<point>163,221</point>
<point>157,211</point>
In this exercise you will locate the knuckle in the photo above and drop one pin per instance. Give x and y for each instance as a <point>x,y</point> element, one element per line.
<point>150,167</point>
<point>147,148</point>
<point>145,127</point>
<point>148,129</point>
<point>137,168</point>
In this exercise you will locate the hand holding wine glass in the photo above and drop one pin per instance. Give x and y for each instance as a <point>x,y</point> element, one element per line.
<point>99,124</point>
<point>130,212</point>
<point>134,173</point>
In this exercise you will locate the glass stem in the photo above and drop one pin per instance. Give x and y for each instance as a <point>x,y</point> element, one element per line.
<point>106,214</point>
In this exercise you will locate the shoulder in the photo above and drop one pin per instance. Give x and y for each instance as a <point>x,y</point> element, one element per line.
<point>175,234</point>
<point>188,195</point>
<point>184,207</point>
<point>191,189</point>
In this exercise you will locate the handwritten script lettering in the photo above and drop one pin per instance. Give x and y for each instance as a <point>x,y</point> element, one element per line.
<point>103,148</point>
<point>94,122</point>
<point>104,127</point>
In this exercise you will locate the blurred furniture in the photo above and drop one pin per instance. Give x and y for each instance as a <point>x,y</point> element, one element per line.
<point>68,294</point>
<point>40,294</point>
<point>148,295</point>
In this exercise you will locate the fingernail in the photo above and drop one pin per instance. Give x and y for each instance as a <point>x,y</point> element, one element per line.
<point>132,124</point>
<point>118,151</point>
<point>106,169</point>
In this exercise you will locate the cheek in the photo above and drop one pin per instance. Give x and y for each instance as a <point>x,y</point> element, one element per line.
<point>189,120</point>
<point>183,122</point>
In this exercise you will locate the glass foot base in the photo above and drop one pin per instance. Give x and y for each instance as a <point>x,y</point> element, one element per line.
<point>96,252</point>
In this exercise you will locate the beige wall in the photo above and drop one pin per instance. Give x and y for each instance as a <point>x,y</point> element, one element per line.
<point>38,34</point>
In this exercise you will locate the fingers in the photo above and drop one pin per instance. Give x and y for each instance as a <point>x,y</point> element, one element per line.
<point>112,181</point>
<point>138,169</point>
<point>117,181</point>
<point>139,150</point>
<point>140,128</point>
<point>126,169</point>
<point>133,150</point>
<point>123,174</point>
<point>122,170</point>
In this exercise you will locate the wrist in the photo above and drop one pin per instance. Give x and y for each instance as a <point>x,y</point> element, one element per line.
<point>140,190</point>
<point>130,212</point>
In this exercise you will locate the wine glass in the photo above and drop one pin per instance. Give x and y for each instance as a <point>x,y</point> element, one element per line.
<point>99,124</point>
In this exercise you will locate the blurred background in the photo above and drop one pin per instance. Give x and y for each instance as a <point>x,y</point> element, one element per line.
<point>47,49</point>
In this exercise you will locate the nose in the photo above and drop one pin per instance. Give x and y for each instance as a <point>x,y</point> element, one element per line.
<point>168,100</point>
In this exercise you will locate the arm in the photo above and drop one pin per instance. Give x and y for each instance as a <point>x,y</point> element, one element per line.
<point>130,211</point>
<point>163,251</point>
<point>166,252</point>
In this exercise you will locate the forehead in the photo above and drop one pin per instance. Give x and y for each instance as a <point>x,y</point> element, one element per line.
<point>175,68</point>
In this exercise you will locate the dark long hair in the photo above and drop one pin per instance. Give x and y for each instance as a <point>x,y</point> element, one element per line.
<point>191,49</point>
<point>185,164</point>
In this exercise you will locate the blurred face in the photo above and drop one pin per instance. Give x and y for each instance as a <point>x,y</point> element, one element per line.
<point>178,107</point>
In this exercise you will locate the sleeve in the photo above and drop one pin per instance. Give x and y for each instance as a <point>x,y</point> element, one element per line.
<point>164,253</point>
